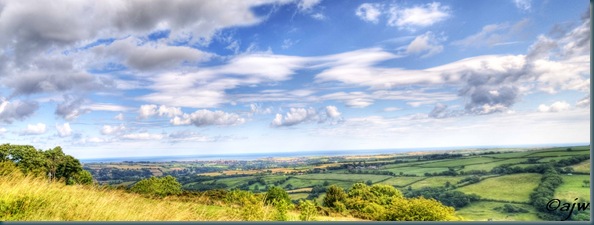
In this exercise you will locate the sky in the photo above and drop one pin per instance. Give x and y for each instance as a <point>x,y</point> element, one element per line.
<point>137,78</point>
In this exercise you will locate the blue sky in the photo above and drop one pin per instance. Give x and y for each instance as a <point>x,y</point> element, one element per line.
<point>148,78</point>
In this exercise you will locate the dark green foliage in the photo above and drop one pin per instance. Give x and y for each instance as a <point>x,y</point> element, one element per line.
<point>452,198</point>
<point>276,195</point>
<point>157,187</point>
<point>334,195</point>
<point>545,192</point>
<point>470,180</point>
<point>83,177</point>
<point>52,163</point>
<point>507,208</point>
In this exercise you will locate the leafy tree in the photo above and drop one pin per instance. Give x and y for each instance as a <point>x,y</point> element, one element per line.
<point>326,183</point>
<point>276,195</point>
<point>369,182</point>
<point>68,168</point>
<point>334,195</point>
<point>83,177</point>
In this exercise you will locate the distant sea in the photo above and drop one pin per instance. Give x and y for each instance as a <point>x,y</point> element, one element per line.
<point>255,156</point>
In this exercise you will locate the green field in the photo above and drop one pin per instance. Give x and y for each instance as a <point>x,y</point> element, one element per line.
<point>515,187</point>
<point>419,171</point>
<point>401,181</point>
<point>572,188</point>
<point>296,196</point>
<point>560,153</point>
<point>483,210</point>
<point>511,155</point>
<point>491,165</point>
<point>459,162</point>
<point>436,181</point>
<point>583,167</point>
<point>344,177</point>
<point>233,181</point>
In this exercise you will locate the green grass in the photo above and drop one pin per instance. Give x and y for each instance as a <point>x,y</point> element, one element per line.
<point>560,153</point>
<point>419,171</point>
<point>583,167</point>
<point>302,183</point>
<point>491,165</point>
<point>344,177</point>
<point>483,210</point>
<point>548,159</point>
<point>436,181</point>
<point>401,181</point>
<point>515,187</point>
<point>572,188</point>
<point>413,163</point>
<point>511,155</point>
<point>233,181</point>
<point>459,162</point>
<point>296,196</point>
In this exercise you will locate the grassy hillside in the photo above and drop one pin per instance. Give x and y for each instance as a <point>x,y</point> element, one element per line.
<point>26,198</point>
<point>515,187</point>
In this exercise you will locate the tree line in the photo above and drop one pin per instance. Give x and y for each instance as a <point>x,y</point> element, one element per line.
<point>51,163</point>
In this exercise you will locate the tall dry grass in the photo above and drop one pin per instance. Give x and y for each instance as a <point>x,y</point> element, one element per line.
<point>27,198</point>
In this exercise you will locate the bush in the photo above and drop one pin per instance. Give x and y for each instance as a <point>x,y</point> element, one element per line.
<point>157,187</point>
<point>334,195</point>
<point>277,195</point>
<point>308,210</point>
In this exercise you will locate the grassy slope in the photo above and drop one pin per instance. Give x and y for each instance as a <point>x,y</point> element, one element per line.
<point>33,199</point>
<point>482,211</point>
<point>572,188</point>
<point>515,187</point>
<point>583,167</point>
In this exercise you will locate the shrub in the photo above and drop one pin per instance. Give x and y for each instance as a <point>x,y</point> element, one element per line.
<point>308,210</point>
<point>334,195</point>
<point>157,187</point>
<point>277,195</point>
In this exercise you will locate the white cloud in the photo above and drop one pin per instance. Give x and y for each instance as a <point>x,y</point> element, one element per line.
<point>494,35</point>
<point>426,43</point>
<point>418,16</point>
<point>307,5</point>
<point>332,111</point>
<point>584,102</point>
<point>318,16</point>
<point>206,87</point>
<point>106,107</point>
<point>258,109</point>
<point>64,130</point>
<point>369,12</point>
<point>93,140</point>
<point>143,136</point>
<point>207,118</point>
<point>119,117</point>
<point>391,109</point>
<point>523,5</point>
<point>555,107</point>
<point>34,129</point>
<point>111,130</point>
<point>3,130</point>
<point>287,43</point>
<point>186,135</point>
<point>295,116</point>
